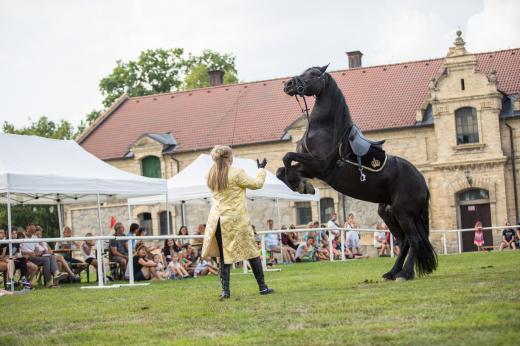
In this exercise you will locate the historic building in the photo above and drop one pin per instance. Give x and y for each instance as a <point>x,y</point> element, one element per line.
<point>456,118</point>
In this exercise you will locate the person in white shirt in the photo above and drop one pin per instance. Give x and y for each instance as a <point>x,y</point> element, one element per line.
<point>271,241</point>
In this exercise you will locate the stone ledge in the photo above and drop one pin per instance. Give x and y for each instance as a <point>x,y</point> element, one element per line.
<point>471,146</point>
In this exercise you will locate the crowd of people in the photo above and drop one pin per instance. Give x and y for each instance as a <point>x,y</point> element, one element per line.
<point>180,258</point>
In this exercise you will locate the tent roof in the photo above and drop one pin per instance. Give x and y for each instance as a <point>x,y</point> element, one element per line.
<point>190,184</point>
<point>41,170</point>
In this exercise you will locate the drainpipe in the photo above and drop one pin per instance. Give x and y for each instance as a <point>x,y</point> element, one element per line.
<point>177,162</point>
<point>515,192</point>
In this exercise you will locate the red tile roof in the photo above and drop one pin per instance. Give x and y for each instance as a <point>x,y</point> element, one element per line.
<point>379,97</point>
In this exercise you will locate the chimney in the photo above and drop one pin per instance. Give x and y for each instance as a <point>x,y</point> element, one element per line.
<point>354,59</point>
<point>216,77</point>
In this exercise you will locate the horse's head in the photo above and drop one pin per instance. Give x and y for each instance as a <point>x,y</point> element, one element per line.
<point>311,82</point>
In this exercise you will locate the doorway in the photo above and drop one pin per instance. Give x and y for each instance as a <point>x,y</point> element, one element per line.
<point>473,207</point>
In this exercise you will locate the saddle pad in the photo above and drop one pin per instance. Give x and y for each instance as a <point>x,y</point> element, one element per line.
<point>373,161</point>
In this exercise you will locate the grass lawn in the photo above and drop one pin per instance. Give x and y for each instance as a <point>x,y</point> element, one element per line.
<point>472,299</point>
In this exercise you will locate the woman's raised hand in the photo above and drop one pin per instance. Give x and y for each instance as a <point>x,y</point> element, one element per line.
<point>261,164</point>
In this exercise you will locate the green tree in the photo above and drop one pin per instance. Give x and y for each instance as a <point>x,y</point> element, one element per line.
<point>89,119</point>
<point>164,70</point>
<point>155,71</point>
<point>43,127</point>
<point>197,76</point>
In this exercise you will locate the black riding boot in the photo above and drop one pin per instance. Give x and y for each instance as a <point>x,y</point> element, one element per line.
<point>225,270</point>
<point>258,271</point>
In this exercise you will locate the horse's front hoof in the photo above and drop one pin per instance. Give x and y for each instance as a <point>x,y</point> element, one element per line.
<point>301,188</point>
<point>400,278</point>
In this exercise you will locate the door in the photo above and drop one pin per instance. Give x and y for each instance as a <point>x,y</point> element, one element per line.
<point>469,214</point>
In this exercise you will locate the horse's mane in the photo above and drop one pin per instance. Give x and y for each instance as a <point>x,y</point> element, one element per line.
<point>339,110</point>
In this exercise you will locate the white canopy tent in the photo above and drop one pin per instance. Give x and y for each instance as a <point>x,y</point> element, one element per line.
<point>190,185</point>
<point>36,170</point>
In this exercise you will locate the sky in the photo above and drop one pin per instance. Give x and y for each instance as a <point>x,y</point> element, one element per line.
<point>53,53</point>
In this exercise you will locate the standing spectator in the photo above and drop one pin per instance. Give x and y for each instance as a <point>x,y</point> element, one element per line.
<point>352,237</point>
<point>478,240</point>
<point>272,242</point>
<point>305,251</point>
<point>508,237</point>
<point>118,251</point>
<point>87,252</point>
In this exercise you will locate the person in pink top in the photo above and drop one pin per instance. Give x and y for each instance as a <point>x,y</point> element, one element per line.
<point>479,236</point>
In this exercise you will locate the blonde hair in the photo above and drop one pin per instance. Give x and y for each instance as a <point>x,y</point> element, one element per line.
<point>218,174</point>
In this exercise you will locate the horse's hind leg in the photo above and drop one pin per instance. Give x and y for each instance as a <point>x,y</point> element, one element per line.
<point>385,211</point>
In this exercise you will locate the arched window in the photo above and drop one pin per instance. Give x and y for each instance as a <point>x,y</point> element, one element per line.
<point>151,167</point>
<point>326,209</point>
<point>303,212</point>
<point>466,124</point>
<point>163,224</point>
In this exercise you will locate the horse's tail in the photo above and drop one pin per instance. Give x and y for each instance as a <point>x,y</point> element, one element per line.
<point>426,257</point>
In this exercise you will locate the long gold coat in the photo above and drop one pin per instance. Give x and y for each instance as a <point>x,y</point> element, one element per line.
<point>229,205</point>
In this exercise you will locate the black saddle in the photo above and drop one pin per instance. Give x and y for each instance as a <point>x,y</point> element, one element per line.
<point>364,152</point>
<point>359,144</point>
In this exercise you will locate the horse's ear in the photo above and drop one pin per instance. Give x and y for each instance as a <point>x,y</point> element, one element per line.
<point>324,68</point>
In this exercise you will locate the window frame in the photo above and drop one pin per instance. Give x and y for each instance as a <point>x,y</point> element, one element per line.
<point>463,134</point>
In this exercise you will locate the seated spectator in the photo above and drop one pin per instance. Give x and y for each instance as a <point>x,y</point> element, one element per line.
<point>184,258</point>
<point>143,268</point>
<point>196,243</point>
<point>305,251</point>
<point>161,271</point>
<point>177,268</point>
<point>287,250</point>
<point>170,247</point>
<point>20,263</point>
<point>69,245</point>
<point>60,260</point>
<point>183,231</point>
<point>87,251</point>
<point>508,238</point>
<point>203,268</point>
<point>34,253</point>
<point>133,232</point>
<point>380,243</point>
<point>118,252</point>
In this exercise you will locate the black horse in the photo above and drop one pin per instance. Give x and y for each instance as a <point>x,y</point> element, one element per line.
<point>399,188</point>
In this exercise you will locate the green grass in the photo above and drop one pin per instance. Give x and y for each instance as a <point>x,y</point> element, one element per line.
<point>472,299</point>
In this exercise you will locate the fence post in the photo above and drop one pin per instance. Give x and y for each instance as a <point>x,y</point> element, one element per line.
<point>392,254</point>
<point>342,233</point>
<point>130,263</point>
<point>444,243</point>
<point>331,252</point>
<point>100,268</point>
<point>459,236</point>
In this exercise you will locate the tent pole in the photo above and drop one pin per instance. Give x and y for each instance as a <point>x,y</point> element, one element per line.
<point>129,213</point>
<point>9,226</point>
<point>99,215</point>
<point>183,215</point>
<point>60,221</point>
<point>168,226</point>
<point>279,227</point>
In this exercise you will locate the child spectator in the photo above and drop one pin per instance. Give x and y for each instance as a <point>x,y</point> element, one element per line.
<point>478,240</point>
<point>176,267</point>
<point>86,251</point>
<point>161,271</point>
<point>352,238</point>
<point>380,242</point>
<point>204,268</point>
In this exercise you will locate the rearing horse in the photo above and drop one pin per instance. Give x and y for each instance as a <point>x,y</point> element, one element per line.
<point>399,188</point>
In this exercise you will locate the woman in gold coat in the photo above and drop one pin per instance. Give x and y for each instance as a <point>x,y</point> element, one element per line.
<point>228,233</point>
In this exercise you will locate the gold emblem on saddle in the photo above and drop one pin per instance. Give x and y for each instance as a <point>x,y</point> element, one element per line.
<point>375,163</point>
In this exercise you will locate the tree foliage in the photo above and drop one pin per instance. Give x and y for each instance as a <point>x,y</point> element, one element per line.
<point>164,70</point>
<point>43,127</point>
